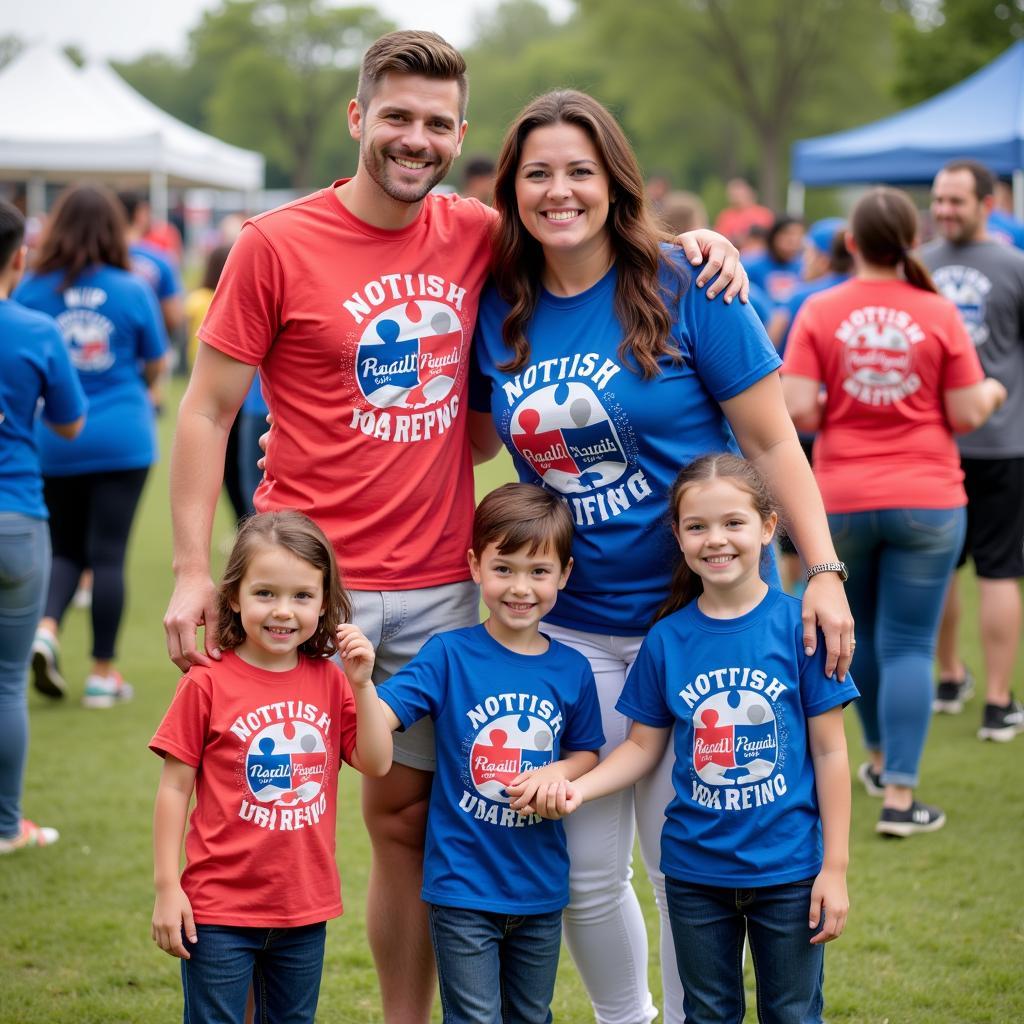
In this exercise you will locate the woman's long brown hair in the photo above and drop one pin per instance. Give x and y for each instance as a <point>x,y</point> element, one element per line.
<point>86,228</point>
<point>518,260</point>
<point>884,226</point>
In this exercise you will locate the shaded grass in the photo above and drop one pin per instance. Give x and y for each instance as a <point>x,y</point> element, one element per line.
<point>936,932</point>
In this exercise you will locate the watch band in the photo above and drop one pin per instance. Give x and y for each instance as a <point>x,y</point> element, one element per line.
<point>836,567</point>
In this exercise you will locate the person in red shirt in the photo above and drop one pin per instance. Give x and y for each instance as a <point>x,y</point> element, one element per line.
<point>259,736</point>
<point>900,375</point>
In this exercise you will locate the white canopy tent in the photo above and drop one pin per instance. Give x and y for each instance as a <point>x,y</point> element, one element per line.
<point>62,122</point>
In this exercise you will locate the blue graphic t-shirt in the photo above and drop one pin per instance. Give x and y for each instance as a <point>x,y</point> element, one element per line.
<point>35,365</point>
<point>591,429</point>
<point>739,693</point>
<point>778,279</point>
<point>496,714</point>
<point>111,324</point>
<point>153,266</point>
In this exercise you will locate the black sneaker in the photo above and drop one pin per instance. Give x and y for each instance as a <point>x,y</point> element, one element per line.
<point>917,818</point>
<point>872,780</point>
<point>1002,724</point>
<point>950,696</point>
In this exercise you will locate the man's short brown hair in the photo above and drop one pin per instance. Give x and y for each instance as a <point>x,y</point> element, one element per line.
<point>984,179</point>
<point>523,515</point>
<point>412,53</point>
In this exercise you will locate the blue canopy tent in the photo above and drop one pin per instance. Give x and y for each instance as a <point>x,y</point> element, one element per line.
<point>981,117</point>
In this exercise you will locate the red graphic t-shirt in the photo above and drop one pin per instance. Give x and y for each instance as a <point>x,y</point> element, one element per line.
<point>362,337</point>
<point>885,351</point>
<point>259,851</point>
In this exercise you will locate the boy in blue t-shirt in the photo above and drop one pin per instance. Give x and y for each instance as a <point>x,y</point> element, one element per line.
<point>506,701</point>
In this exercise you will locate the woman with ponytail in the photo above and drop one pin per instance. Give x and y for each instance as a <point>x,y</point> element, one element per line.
<point>603,368</point>
<point>900,376</point>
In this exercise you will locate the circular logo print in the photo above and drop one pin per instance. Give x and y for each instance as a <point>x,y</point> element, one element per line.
<point>505,748</point>
<point>735,739</point>
<point>286,763</point>
<point>879,355</point>
<point>568,439</point>
<point>408,356</point>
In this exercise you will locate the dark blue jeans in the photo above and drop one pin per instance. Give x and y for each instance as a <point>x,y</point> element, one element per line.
<point>495,968</point>
<point>708,926</point>
<point>283,964</point>
<point>900,561</point>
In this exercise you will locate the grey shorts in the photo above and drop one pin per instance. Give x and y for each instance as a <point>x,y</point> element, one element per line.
<point>398,623</point>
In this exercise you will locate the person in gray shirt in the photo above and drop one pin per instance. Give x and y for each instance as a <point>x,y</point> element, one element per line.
<point>986,281</point>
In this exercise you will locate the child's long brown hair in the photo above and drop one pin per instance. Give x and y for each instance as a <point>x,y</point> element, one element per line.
<point>686,584</point>
<point>298,534</point>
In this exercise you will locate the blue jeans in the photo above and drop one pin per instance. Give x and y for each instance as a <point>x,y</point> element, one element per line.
<point>495,968</point>
<point>283,964</point>
<point>900,561</point>
<point>24,576</point>
<point>708,926</point>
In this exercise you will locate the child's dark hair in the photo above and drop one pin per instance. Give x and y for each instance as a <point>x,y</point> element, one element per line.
<point>297,533</point>
<point>686,584</point>
<point>521,515</point>
<point>12,232</point>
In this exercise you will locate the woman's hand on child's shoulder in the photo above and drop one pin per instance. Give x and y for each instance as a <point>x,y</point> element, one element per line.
<point>172,913</point>
<point>356,654</point>
<point>829,899</point>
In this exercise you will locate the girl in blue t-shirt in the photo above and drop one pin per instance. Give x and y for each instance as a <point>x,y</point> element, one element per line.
<point>755,841</point>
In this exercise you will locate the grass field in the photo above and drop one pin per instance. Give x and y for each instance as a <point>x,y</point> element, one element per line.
<point>936,931</point>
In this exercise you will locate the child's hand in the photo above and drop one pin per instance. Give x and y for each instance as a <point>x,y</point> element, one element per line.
<point>356,654</point>
<point>556,799</point>
<point>523,787</point>
<point>829,897</point>
<point>172,914</point>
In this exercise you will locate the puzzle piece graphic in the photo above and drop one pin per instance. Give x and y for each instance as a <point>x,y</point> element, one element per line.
<point>544,450</point>
<point>712,743</point>
<point>267,768</point>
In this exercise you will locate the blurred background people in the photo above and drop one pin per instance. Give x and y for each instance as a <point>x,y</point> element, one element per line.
<point>743,213</point>
<point>113,331</point>
<point>478,179</point>
<point>900,374</point>
<point>777,270</point>
<point>35,368</point>
<point>986,281</point>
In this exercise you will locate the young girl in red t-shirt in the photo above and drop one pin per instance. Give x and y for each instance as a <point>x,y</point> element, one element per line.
<point>259,736</point>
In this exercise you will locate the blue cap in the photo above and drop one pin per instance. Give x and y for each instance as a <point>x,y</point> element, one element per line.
<point>822,232</point>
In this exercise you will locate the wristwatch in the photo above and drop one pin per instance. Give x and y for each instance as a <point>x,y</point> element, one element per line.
<point>837,567</point>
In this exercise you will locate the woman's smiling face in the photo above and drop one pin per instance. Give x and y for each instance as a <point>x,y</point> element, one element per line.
<point>563,191</point>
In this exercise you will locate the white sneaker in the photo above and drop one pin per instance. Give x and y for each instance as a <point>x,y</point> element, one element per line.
<point>106,691</point>
<point>46,677</point>
<point>30,835</point>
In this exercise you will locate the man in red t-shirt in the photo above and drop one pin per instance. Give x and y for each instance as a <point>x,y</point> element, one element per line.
<point>357,304</point>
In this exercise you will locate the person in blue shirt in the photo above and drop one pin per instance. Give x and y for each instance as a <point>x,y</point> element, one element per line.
<point>756,838</point>
<point>112,330</point>
<point>150,263</point>
<point>602,370</point>
<point>505,700</point>
<point>777,271</point>
<point>35,368</point>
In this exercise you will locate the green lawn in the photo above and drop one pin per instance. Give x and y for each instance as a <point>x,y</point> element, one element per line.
<point>936,930</point>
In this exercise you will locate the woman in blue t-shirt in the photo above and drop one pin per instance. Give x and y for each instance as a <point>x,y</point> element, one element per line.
<point>113,332</point>
<point>603,370</point>
<point>35,367</point>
